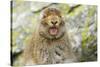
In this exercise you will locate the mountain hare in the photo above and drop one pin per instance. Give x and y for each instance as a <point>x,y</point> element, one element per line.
<point>50,42</point>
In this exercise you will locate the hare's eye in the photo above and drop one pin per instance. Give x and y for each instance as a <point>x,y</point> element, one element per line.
<point>43,23</point>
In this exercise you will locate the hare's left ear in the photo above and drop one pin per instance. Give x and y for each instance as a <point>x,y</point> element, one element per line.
<point>62,20</point>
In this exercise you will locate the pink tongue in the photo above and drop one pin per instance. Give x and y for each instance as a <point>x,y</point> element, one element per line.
<point>53,31</point>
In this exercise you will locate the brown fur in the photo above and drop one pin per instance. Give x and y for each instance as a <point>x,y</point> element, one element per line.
<point>45,48</point>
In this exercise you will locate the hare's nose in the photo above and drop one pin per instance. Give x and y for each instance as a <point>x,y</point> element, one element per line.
<point>54,22</point>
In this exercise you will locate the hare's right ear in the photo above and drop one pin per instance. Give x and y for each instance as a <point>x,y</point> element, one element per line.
<point>43,15</point>
<point>45,12</point>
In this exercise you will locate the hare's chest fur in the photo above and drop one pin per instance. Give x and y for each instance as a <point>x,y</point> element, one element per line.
<point>56,52</point>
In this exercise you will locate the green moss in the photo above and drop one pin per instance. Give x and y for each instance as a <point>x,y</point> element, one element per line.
<point>86,29</point>
<point>76,11</point>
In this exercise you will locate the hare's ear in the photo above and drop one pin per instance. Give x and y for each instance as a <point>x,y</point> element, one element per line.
<point>62,22</point>
<point>44,15</point>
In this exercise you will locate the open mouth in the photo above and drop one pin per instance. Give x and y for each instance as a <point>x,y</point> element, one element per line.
<point>53,30</point>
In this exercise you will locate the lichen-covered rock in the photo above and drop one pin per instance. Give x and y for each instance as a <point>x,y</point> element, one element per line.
<point>81,23</point>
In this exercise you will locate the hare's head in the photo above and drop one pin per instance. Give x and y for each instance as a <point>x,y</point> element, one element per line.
<point>52,25</point>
